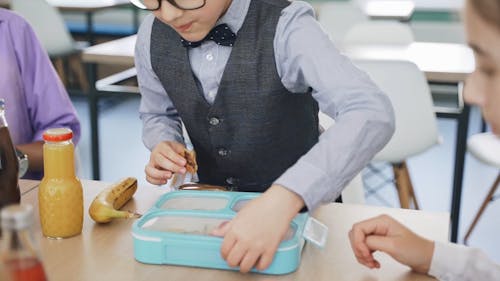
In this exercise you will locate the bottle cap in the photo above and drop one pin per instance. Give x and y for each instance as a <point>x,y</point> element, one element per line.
<point>16,216</point>
<point>58,134</point>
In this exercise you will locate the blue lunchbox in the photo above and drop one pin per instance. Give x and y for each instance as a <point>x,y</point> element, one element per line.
<point>176,231</point>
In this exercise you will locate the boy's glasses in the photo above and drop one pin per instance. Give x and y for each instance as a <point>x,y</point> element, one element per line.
<point>153,5</point>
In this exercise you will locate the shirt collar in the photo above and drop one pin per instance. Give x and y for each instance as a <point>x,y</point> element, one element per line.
<point>235,14</point>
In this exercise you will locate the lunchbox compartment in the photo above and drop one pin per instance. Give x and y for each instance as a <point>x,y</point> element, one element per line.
<point>193,225</point>
<point>193,200</point>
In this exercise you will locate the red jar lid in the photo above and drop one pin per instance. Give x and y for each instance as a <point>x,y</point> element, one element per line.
<point>58,134</point>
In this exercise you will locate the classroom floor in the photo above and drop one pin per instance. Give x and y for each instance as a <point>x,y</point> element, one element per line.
<point>123,154</point>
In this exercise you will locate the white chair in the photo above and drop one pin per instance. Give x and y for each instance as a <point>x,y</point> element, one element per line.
<point>416,124</point>
<point>337,18</point>
<point>484,147</point>
<point>379,32</point>
<point>52,32</point>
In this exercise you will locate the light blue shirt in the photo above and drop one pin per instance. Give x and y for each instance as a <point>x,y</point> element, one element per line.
<point>305,58</point>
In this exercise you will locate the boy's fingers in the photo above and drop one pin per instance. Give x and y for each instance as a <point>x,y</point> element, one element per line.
<point>173,151</point>
<point>357,239</point>
<point>381,243</point>
<point>236,255</point>
<point>166,163</point>
<point>265,260</point>
<point>155,181</point>
<point>176,153</point>
<point>156,176</point>
<point>227,245</point>
<point>221,229</point>
<point>248,261</point>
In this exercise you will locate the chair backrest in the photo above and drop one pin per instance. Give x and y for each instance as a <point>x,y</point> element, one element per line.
<point>379,32</point>
<point>337,18</point>
<point>48,25</point>
<point>407,88</point>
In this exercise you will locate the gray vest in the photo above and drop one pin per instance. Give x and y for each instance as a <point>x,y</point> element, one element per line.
<point>256,129</point>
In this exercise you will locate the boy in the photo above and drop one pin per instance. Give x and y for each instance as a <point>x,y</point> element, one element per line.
<point>249,96</point>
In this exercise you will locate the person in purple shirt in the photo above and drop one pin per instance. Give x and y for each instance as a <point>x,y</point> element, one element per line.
<point>35,98</point>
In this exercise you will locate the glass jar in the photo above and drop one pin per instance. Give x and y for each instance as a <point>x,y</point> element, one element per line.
<point>19,252</point>
<point>60,193</point>
<point>9,166</point>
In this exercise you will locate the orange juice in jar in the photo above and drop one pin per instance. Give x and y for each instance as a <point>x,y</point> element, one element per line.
<point>60,194</point>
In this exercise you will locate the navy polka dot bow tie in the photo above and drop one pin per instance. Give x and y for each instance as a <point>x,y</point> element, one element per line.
<point>221,34</point>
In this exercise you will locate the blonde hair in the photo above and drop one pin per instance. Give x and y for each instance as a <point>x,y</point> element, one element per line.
<point>489,10</point>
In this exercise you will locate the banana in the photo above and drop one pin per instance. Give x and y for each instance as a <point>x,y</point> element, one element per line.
<point>107,203</point>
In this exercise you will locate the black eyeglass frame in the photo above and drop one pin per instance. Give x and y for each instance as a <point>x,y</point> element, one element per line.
<point>172,2</point>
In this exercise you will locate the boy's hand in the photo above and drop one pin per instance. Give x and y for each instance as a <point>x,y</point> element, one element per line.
<point>166,159</point>
<point>253,235</point>
<point>385,234</point>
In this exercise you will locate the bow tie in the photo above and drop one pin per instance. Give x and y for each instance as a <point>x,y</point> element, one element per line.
<point>221,34</point>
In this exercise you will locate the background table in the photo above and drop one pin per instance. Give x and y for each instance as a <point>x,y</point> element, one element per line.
<point>400,10</point>
<point>105,252</point>
<point>88,7</point>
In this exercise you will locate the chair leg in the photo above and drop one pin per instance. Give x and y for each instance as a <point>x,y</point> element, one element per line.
<point>487,200</point>
<point>59,66</point>
<point>410,186</point>
<point>404,186</point>
<point>76,66</point>
<point>401,185</point>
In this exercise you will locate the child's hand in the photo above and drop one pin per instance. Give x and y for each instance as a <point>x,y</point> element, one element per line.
<point>252,237</point>
<point>385,234</point>
<point>166,159</point>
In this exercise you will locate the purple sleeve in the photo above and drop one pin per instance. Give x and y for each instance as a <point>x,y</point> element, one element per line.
<point>47,100</point>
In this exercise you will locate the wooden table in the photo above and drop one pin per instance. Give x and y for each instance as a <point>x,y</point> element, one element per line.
<point>27,185</point>
<point>119,51</point>
<point>441,63</point>
<point>105,252</point>
<point>401,10</point>
<point>88,7</point>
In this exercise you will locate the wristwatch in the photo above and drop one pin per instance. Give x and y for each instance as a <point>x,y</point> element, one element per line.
<point>23,162</point>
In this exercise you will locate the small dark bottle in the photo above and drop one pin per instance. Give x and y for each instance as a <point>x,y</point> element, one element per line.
<point>9,165</point>
<point>19,251</point>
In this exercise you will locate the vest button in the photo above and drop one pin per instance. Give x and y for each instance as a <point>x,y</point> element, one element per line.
<point>214,121</point>
<point>231,180</point>
<point>223,152</point>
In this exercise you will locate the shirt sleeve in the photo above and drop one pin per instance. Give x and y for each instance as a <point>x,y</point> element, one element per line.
<point>160,119</point>
<point>48,103</point>
<point>460,263</point>
<point>364,119</point>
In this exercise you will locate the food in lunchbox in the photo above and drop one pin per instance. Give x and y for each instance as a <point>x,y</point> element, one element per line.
<point>191,165</point>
